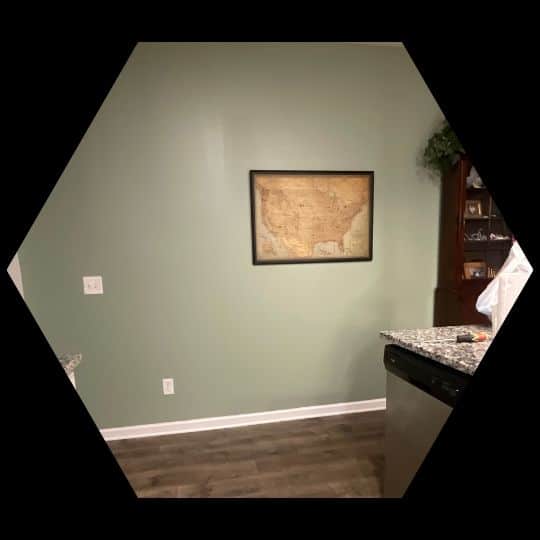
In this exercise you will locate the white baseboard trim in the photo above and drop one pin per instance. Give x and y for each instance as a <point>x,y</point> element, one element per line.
<point>237,420</point>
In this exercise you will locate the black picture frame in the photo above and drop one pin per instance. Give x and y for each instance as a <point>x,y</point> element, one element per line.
<point>252,176</point>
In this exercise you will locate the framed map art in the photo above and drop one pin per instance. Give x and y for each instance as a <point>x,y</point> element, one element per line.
<point>311,216</point>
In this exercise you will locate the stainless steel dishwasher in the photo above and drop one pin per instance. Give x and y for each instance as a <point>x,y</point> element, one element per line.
<point>420,394</point>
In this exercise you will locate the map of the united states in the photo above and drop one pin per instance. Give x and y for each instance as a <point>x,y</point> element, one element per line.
<point>311,217</point>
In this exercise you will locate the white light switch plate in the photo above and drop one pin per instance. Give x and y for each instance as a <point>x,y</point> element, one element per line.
<point>93,285</point>
<point>168,386</point>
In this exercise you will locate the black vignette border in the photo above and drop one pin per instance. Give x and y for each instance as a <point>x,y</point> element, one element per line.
<point>58,86</point>
<point>480,86</point>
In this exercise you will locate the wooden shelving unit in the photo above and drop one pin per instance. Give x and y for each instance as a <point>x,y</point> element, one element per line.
<point>466,239</point>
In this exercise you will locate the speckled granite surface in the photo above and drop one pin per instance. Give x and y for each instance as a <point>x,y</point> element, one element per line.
<point>70,362</point>
<point>439,344</point>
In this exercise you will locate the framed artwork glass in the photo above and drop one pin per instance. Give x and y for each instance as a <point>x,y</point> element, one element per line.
<point>473,209</point>
<point>475,269</point>
<point>311,216</point>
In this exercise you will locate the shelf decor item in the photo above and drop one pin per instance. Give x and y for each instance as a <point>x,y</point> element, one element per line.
<point>478,236</point>
<point>498,237</point>
<point>473,209</point>
<point>474,269</point>
<point>443,150</point>
<point>311,216</point>
<point>474,181</point>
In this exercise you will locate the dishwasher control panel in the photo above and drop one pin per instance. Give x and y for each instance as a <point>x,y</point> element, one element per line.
<point>441,382</point>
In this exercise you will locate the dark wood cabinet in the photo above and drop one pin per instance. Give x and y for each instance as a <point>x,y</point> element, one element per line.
<point>474,242</point>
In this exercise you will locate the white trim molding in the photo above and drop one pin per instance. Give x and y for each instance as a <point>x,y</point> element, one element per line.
<point>237,420</point>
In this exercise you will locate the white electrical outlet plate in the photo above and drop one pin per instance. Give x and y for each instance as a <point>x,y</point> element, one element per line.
<point>168,386</point>
<point>92,285</point>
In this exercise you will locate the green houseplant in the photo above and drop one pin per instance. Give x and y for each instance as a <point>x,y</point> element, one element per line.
<point>443,149</point>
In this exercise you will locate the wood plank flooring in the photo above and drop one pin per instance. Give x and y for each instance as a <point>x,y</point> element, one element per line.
<point>334,456</point>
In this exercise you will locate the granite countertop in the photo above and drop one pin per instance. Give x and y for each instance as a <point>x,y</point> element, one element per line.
<point>70,362</point>
<point>439,344</point>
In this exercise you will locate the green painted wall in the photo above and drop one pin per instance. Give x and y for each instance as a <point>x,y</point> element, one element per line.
<point>156,201</point>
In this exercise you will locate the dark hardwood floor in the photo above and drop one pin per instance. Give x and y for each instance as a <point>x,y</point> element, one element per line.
<point>334,456</point>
